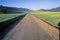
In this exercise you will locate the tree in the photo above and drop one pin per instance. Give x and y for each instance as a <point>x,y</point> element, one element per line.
<point>59,25</point>
<point>3,9</point>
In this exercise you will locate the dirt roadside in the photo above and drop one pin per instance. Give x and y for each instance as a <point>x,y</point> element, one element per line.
<point>53,32</point>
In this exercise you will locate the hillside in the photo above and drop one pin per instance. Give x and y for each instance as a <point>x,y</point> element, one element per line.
<point>6,9</point>
<point>57,9</point>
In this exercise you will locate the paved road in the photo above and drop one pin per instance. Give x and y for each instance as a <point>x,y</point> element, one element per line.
<point>30,29</point>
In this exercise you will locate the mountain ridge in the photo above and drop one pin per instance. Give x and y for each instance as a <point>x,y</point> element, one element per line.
<point>57,9</point>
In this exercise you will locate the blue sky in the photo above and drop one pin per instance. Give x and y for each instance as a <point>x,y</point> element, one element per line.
<point>31,4</point>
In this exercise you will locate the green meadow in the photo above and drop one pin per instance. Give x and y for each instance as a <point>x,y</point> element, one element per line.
<point>5,17</point>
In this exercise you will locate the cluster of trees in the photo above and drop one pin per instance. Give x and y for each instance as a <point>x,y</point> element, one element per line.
<point>2,9</point>
<point>6,9</point>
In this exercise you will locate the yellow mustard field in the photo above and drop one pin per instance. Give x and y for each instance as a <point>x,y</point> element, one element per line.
<point>51,17</point>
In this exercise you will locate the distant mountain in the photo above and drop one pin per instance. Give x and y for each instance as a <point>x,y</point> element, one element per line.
<point>6,9</point>
<point>57,9</point>
<point>43,10</point>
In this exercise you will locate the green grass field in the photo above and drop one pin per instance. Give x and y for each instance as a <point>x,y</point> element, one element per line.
<point>4,17</point>
<point>51,17</point>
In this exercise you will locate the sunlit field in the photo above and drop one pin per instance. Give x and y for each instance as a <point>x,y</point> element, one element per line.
<point>51,17</point>
<point>5,17</point>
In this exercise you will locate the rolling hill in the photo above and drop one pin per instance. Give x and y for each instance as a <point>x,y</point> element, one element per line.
<point>57,9</point>
<point>6,9</point>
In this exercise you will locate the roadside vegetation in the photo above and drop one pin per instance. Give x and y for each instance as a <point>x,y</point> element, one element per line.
<point>50,17</point>
<point>10,15</point>
<point>4,17</point>
<point>7,13</point>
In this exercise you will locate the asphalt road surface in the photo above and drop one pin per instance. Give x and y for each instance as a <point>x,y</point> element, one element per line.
<point>32,28</point>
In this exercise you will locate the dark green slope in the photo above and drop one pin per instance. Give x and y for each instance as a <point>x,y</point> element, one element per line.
<point>6,9</point>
